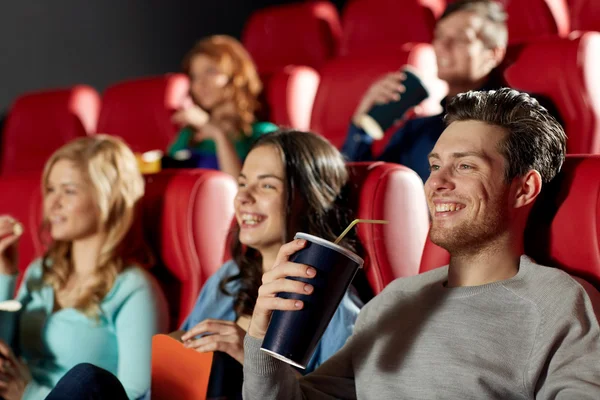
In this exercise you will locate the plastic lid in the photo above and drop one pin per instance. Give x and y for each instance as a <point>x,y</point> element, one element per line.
<point>332,246</point>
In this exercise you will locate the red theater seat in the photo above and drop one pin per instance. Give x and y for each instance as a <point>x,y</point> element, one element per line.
<point>294,34</point>
<point>187,215</point>
<point>566,71</point>
<point>288,43</point>
<point>563,227</point>
<point>290,96</point>
<point>345,80</point>
<point>394,193</point>
<point>140,110</point>
<point>373,26</point>
<point>585,15</point>
<point>38,123</point>
<point>536,18</point>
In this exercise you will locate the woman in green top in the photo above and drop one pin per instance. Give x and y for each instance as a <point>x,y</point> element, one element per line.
<point>219,123</point>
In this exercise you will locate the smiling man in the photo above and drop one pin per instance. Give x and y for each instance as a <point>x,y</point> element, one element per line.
<point>492,324</point>
<point>470,42</point>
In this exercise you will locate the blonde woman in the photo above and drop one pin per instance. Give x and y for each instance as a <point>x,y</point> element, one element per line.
<point>88,299</point>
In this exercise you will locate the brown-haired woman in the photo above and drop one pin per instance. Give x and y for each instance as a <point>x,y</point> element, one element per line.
<point>88,299</point>
<point>290,182</point>
<point>219,124</point>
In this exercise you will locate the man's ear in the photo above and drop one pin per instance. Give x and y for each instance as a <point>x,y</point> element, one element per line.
<point>496,55</point>
<point>527,189</point>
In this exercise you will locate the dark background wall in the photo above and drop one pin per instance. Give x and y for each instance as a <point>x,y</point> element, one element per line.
<point>54,43</point>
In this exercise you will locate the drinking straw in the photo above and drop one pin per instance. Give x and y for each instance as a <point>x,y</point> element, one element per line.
<point>356,221</point>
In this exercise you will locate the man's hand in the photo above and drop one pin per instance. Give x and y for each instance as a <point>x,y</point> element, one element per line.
<point>384,90</point>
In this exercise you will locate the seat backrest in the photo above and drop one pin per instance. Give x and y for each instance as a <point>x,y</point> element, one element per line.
<point>290,96</point>
<point>585,15</point>
<point>563,226</point>
<point>39,123</point>
<point>532,19</point>
<point>140,110</point>
<point>372,26</point>
<point>394,193</point>
<point>21,198</point>
<point>573,63</point>
<point>305,33</point>
<point>345,80</point>
<point>187,216</point>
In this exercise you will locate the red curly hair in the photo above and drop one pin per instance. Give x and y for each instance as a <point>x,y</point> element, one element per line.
<point>234,61</point>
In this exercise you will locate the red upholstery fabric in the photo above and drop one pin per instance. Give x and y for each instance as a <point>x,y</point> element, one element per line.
<point>345,80</point>
<point>22,200</point>
<point>564,225</point>
<point>140,110</point>
<point>566,71</point>
<point>187,215</point>
<point>536,18</point>
<point>585,15</point>
<point>372,26</point>
<point>394,193</point>
<point>40,122</point>
<point>302,34</point>
<point>290,96</point>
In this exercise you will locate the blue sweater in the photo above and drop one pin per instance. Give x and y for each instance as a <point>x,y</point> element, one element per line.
<point>214,304</point>
<point>120,341</point>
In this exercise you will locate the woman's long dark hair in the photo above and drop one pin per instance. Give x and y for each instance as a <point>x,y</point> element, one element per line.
<point>316,185</point>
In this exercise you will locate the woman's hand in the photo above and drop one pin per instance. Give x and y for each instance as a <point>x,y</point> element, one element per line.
<point>226,117</point>
<point>191,115</point>
<point>227,157</point>
<point>10,232</point>
<point>14,374</point>
<point>275,281</point>
<point>210,131</point>
<point>225,336</point>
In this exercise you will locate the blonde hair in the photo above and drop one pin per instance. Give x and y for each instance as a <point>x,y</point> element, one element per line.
<point>235,62</point>
<point>111,169</point>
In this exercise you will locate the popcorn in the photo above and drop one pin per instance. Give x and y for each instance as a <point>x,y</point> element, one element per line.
<point>17,229</point>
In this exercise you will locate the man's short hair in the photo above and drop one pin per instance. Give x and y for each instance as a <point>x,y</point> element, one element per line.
<point>535,139</point>
<point>494,32</point>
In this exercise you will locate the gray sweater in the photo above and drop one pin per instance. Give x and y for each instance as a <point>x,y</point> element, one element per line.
<point>534,336</point>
